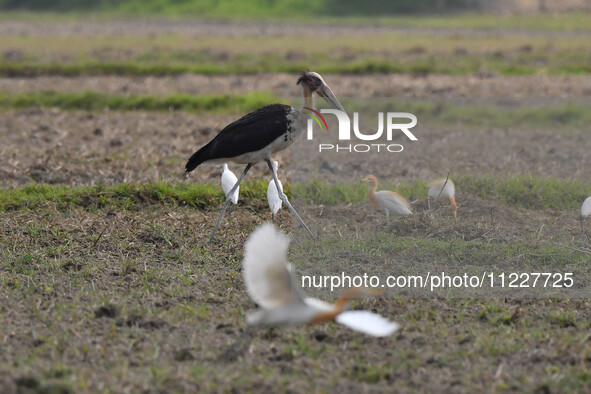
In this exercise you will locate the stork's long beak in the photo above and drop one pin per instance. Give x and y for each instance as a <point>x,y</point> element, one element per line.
<point>326,93</point>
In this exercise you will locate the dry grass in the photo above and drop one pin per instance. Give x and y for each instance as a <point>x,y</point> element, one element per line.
<point>106,284</point>
<point>129,299</point>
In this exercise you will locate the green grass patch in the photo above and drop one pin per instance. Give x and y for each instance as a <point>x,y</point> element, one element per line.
<point>30,70</point>
<point>523,191</point>
<point>486,113</point>
<point>513,114</point>
<point>92,101</point>
<point>518,191</point>
<point>421,53</point>
<point>528,191</point>
<point>124,196</point>
<point>550,65</point>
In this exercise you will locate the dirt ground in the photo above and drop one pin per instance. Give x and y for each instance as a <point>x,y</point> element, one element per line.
<point>110,147</point>
<point>128,300</point>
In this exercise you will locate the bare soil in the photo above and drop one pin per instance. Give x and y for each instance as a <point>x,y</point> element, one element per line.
<point>485,85</point>
<point>111,147</point>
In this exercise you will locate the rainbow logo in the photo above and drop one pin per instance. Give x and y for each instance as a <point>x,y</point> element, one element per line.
<point>316,115</point>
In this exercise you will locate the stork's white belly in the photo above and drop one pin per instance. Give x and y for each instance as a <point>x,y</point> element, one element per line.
<point>279,144</point>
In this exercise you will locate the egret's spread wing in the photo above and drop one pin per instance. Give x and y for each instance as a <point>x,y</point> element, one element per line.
<point>318,304</point>
<point>368,323</point>
<point>586,208</point>
<point>250,133</point>
<point>267,274</point>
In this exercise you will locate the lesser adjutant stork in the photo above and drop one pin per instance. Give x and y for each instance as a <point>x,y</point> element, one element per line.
<point>260,134</point>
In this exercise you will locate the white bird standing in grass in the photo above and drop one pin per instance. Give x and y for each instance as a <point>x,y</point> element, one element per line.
<point>271,283</point>
<point>272,194</point>
<point>390,202</point>
<point>585,212</point>
<point>228,182</point>
<point>444,189</point>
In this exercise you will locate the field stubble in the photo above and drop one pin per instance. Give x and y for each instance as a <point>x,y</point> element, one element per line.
<point>124,297</point>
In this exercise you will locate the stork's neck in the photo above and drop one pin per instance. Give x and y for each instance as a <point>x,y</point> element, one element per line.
<point>307,98</point>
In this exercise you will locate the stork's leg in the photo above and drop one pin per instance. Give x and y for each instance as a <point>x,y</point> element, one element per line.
<point>283,198</point>
<point>228,200</point>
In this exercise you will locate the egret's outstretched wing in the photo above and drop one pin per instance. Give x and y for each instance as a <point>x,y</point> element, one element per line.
<point>586,208</point>
<point>368,323</point>
<point>318,304</point>
<point>266,271</point>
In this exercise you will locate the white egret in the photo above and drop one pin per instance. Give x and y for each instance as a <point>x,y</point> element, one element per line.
<point>444,189</point>
<point>390,202</point>
<point>228,182</point>
<point>272,194</point>
<point>585,212</point>
<point>271,283</point>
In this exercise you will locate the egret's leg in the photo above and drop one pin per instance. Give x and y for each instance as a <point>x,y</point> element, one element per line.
<point>429,202</point>
<point>283,198</point>
<point>273,217</point>
<point>583,236</point>
<point>228,199</point>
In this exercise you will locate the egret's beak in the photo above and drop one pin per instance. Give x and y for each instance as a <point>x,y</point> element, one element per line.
<point>326,93</point>
<point>365,180</point>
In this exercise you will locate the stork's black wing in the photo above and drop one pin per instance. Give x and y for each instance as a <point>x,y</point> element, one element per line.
<point>250,133</point>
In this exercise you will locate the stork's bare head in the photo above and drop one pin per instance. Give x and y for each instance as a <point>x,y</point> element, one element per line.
<point>315,84</point>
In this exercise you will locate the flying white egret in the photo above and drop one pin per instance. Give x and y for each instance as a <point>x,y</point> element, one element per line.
<point>228,182</point>
<point>585,211</point>
<point>390,202</point>
<point>272,194</point>
<point>271,283</point>
<point>444,189</point>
